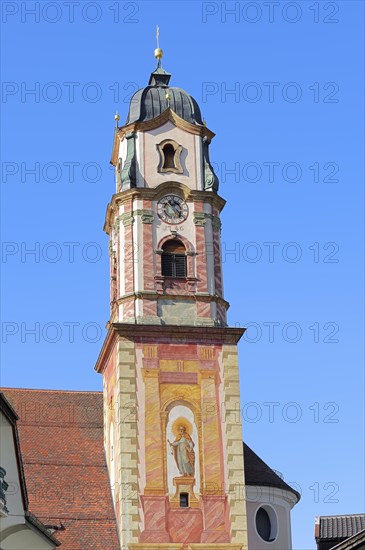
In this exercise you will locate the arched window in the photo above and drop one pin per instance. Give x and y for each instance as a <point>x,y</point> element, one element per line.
<point>170,153</point>
<point>169,157</point>
<point>173,259</point>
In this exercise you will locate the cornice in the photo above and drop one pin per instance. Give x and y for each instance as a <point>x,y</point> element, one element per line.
<point>167,116</point>
<point>154,295</point>
<point>155,193</point>
<point>165,333</point>
<point>106,350</point>
<point>173,334</point>
<point>286,497</point>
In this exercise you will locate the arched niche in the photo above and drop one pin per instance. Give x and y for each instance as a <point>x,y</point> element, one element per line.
<point>170,157</point>
<point>171,414</point>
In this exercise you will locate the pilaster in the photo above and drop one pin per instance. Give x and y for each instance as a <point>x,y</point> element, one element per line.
<point>233,427</point>
<point>127,481</point>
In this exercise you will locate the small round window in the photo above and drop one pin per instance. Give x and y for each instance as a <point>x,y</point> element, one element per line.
<point>266,523</point>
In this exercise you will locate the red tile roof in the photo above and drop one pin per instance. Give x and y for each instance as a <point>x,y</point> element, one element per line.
<point>61,440</point>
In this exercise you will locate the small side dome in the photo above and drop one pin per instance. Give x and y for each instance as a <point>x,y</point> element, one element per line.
<point>154,99</point>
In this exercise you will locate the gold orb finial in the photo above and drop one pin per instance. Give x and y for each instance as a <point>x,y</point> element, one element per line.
<point>158,53</point>
<point>116,118</point>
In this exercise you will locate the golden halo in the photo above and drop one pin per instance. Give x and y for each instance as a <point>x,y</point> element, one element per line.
<point>181,422</point>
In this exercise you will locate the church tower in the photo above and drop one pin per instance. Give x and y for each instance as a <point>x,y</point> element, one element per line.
<point>173,434</point>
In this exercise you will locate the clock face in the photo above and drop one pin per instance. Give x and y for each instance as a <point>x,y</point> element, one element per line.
<point>172,209</point>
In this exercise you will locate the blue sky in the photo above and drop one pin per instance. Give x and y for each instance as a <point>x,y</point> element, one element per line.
<point>281,86</point>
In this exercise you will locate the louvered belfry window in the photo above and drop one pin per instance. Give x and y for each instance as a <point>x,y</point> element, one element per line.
<point>173,259</point>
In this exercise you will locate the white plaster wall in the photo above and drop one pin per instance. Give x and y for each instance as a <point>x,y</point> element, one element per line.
<point>148,176</point>
<point>281,503</point>
<point>121,253</point>
<point>208,229</point>
<point>25,539</point>
<point>199,164</point>
<point>8,461</point>
<point>138,255</point>
<point>15,533</point>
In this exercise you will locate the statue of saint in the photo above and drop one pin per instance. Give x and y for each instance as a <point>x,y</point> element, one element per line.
<point>183,450</point>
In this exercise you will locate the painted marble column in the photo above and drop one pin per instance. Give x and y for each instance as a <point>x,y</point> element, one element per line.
<point>154,499</point>
<point>216,528</point>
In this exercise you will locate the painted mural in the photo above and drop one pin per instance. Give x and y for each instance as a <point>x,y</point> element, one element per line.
<point>182,447</point>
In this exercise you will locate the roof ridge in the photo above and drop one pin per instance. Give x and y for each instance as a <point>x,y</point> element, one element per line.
<point>66,464</point>
<point>67,424</point>
<point>343,515</point>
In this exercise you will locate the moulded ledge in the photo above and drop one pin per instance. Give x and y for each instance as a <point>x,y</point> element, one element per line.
<point>179,546</point>
<point>156,546</point>
<point>216,546</point>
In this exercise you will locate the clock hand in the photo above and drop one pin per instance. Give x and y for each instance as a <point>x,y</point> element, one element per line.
<point>169,209</point>
<point>175,206</point>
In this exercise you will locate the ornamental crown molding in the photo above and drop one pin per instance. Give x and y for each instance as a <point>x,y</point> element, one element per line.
<point>167,116</point>
<point>165,333</point>
<point>263,494</point>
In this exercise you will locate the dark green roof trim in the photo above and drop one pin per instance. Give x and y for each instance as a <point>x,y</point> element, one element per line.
<point>8,410</point>
<point>34,521</point>
<point>159,77</point>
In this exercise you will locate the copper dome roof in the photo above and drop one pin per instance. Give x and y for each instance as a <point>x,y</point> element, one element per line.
<point>149,102</point>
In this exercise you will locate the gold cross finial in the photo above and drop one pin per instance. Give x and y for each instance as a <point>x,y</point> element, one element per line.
<point>158,52</point>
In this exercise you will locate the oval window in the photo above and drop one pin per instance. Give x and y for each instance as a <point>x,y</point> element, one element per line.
<point>266,524</point>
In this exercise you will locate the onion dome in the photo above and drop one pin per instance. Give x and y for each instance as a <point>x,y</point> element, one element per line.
<point>154,99</point>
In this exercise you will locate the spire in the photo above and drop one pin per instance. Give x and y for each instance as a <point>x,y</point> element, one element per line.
<point>158,53</point>
<point>159,77</point>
